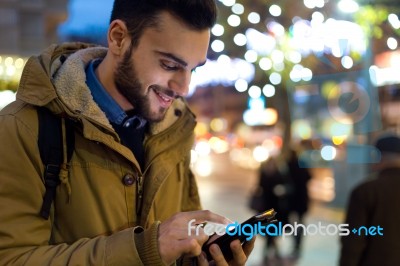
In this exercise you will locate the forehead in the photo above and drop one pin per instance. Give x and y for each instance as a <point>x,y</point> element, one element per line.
<point>173,36</point>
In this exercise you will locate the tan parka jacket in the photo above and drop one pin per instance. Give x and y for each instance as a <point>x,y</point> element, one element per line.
<point>99,216</point>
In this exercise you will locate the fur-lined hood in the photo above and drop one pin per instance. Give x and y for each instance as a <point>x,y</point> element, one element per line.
<point>57,78</point>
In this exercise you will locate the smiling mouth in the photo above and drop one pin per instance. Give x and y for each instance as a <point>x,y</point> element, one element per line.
<point>165,96</point>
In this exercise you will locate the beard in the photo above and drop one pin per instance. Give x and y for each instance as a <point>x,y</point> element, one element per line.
<point>129,85</point>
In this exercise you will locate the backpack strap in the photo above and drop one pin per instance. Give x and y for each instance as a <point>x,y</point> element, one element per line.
<point>50,142</point>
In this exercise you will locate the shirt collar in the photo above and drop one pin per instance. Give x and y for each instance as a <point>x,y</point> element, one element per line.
<point>107,104</point>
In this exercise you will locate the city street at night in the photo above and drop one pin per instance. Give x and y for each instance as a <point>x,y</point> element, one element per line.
<point>116,115</point>
<point>227,190</point>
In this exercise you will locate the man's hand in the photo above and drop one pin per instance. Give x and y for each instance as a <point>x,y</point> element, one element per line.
<point>240,254</point>
<point>174,239</point>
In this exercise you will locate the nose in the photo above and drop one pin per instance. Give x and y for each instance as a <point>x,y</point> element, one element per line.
<point>180,81</point>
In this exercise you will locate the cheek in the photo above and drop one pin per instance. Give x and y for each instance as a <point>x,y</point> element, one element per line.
<point>155,78</point>
<point>149,71</point>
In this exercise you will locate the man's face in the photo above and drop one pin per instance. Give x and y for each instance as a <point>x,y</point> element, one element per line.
<point>159,69</point>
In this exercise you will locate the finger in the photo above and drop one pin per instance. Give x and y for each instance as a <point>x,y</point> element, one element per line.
<point>217,255</point>
<point>190,247</point>
<point>195,231</point>
<point>202,237</point>
<point>239,256</point>
<point>249,246</point>
<point>199,234</point>
<point>208,216</point>
<point>202,260</point>
<point>214,237</point>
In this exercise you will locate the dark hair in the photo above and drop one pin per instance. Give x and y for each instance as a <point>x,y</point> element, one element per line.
<point>141,14</point>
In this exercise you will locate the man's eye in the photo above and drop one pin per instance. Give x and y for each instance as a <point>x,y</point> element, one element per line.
<point>169,65</point>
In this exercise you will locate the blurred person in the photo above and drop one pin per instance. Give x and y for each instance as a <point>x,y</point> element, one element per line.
<point>276,193</point>
<point>375,202</point>
<point>128,193</point>
<point>299,176</point>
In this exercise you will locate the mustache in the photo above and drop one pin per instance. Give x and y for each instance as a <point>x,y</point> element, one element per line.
<point>165,91</point>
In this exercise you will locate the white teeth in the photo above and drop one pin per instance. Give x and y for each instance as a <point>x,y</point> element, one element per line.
<point>165,99</point>
<point>162,97</point>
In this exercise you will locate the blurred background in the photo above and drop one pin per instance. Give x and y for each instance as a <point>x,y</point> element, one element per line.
<point>317,76</point>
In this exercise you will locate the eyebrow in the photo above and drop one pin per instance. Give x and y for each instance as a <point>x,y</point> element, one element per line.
<point>179,60</point>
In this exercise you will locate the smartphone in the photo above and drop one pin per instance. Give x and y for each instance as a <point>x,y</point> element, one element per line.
<point>224,241</point>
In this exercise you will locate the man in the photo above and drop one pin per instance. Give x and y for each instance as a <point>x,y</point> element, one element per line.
<point>129,194</point>
<point>374,205</point>
<point>299,176</point>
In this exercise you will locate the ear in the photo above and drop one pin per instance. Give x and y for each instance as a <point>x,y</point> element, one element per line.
<point>118,37</point>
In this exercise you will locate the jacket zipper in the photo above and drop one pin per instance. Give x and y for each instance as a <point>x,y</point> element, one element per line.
<point>139,194</point>
<point>139,179</point>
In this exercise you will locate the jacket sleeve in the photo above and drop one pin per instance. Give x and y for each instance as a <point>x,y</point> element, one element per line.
<point>353,245</point>
<point>24,235</point>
